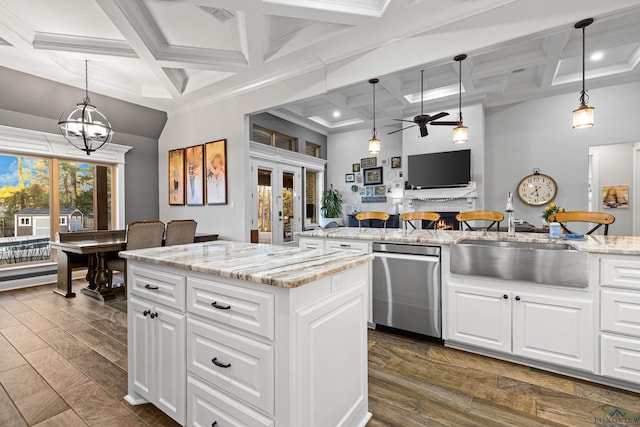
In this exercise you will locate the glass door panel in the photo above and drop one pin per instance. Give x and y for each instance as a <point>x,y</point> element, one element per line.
<point>265,196</point>
<point>288,224</point>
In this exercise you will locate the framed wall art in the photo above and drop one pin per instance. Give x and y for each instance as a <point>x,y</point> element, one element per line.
<point>373,176</point>
<point>215,155</point>
<point>615,196</point>
<point>368,162</point>
<point>396,162</point>
<point>176,177</point>
<point>379,190</point>
<point>194,159</point>
<point>355,167</point>
<point>349,177</point>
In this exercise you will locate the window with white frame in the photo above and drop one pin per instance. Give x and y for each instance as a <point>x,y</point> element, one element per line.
<point>25,221</point>
<point>63,220</point>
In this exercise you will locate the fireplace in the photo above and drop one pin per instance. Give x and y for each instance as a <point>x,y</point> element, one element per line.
<point>447,221</point>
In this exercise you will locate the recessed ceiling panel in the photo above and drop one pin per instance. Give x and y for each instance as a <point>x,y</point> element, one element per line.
<point>620,59</point>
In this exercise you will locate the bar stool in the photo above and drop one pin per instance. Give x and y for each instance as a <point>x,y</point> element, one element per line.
<point>434,217</point>
<point>496,217</point>
<point>599,218</point>
<point>180,232</point>
<point>382,216</point>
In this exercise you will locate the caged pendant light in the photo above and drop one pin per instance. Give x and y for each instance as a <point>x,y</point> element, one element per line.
<point>583,115</point>
<point>85,127</point>
<point>460,131</point>
<point>374,142</point>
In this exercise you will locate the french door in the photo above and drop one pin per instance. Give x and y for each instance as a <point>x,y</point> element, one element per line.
<point>276,201</point>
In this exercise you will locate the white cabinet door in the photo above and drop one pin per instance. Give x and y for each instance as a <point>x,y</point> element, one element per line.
<point>140,347</point>
<point>170,335</point>
<point>479,316</point>
<point>621,357</point>
<point>620,311</point>
<point>554,329</point>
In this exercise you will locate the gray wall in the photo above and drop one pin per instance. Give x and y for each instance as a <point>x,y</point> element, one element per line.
<point>271,122</point>
<point>30,102</point>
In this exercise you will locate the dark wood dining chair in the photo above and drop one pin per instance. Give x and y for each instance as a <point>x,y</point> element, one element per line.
<point>434,217</point>
<point>381,216</point>
<point>598,218</point>
<point>494,217</point>
<point>180,232</point>
<point>139,235</point>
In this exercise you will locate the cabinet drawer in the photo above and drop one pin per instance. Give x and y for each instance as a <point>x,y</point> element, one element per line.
<point>620,312</point>
<point>620,273</point>
<point>310,243</point>
<point>243,308</point>
<point>621,358</point>
<point>208,406</point>
<point>157,285</point>
<point>236,364</point>
<point>345,245</point>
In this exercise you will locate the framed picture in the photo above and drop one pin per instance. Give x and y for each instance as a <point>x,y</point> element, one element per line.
<point>176,177</point>
<point>384,162</point>
<point>215,155</point>
<point>349,177</point>
<point>368,162</point>
<point>615,196</point>
<point>194,159</point>
<point>396,162</point>
<point>379,190</point>
<point>355,167</point>
<point>373,176</point>
<point>368,191</point>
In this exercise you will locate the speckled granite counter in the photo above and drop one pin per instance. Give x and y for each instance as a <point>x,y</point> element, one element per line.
<point>283,266</point>
<point>622,245</point>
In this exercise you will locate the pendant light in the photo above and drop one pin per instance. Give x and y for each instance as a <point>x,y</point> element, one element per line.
<point>85,127</point>
<point>460,131</point>
<point>583,115</point>
<point>374,142</point>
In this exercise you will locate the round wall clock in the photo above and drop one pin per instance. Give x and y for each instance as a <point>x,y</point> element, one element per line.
<point>537,189</point>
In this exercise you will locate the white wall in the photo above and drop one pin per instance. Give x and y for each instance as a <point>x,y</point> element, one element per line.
<point>538,134</point>
<point>347,148</point>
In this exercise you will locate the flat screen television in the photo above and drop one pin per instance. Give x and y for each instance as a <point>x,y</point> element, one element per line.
<point>434,170</point>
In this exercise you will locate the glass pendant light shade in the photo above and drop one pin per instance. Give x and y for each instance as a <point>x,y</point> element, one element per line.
<point>84,126</point>
<point>374,146</point>
<point>583,117</point>
<point>460,134</point>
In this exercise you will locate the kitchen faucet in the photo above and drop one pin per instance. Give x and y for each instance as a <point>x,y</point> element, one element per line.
<point>511,232</point>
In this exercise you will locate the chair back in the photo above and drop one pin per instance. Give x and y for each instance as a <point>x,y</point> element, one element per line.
<point>382,216</point>
<point>180,232</point>
<point>434,217</point>
<point>598,218</point>
<point>495,217</point>
<point>145,234</point>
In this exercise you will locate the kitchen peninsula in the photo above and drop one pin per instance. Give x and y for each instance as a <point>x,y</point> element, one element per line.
<point>246,334</point>
<point>585,324</point>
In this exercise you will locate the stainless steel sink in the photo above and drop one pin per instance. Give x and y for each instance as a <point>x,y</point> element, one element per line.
<point>546,263</point>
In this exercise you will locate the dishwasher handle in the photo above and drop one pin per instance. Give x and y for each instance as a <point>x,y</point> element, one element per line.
<point>408,257</point>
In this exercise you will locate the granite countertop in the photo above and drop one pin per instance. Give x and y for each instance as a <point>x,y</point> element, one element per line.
<point>622,245</point>
<point>283,266</point>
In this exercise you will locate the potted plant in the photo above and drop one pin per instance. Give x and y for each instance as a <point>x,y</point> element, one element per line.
<point>331,209</point>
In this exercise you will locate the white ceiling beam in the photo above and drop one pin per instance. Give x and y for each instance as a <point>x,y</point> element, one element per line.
<point>312,34</point>
<point>88,45</point>
<point>13,30</point>
<point>392,86</point>
<point>254,33</point>
<point>554,47</point>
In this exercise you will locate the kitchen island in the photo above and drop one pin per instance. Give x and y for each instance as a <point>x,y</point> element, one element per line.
<point>586,327</point>
<point>226,333</point>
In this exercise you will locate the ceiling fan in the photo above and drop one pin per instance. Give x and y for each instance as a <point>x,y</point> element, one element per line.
<point>422,119</point>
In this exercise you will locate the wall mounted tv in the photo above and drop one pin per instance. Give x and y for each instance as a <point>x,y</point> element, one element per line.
<point>434,170</point>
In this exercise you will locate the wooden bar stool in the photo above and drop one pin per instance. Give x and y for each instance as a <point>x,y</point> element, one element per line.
<point>382,216</point>
<point>599,218</point>
<point>434,217</point>
<point>496,217</point>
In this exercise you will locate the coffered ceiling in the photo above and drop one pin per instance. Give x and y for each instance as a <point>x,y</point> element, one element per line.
<point>169,54</point>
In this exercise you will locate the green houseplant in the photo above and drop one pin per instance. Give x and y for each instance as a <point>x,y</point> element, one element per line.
<point>331,208</point>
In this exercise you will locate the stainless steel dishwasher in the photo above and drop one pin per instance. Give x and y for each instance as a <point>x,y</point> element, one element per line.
<point>406,288</point>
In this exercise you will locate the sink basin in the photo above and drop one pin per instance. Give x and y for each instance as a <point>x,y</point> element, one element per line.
<point>556,264</point>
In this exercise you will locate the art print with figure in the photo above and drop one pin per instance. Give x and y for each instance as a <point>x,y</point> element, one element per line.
<point>176,177</point>
<point>615,196</point>
<point>215,154</point>
<point>194,172</point>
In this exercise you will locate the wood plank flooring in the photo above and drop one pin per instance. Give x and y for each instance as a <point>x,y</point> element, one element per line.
<point>63,363</point>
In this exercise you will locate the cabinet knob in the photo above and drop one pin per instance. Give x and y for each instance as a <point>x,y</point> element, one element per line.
<point>220,306</point>
<point>505,296</point>
<point>154,315</point>
<point>146,313</point>
<point>220,364</point>
<point>517,298</point>
<point>153,288</point>
<point>214,424</point>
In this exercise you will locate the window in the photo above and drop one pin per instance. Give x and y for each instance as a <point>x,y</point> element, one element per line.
<point>312,191</point>
<point>25,222</point>
<point>63,220</point>
<point>312,149</point>
<point>273,138</point>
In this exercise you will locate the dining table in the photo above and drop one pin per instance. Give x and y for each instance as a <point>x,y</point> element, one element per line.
<point>96,249</point>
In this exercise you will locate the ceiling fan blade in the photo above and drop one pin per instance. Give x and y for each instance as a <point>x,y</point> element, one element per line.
<point>438,116</point>
<point>423,130</point>
<point>402,120</point>
<point>443,123</point>
<point>400,130</point>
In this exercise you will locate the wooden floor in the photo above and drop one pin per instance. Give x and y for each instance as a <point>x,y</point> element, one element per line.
<point>63,362</point>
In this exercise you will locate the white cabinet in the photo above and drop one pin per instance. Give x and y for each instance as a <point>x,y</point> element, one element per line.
<point>555,329</point>
<point>346,245</point>
<point>310,243</point>
<point>156,356</point>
